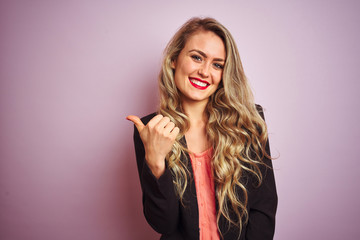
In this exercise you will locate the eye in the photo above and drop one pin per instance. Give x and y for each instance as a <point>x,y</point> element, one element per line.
<point>218,66</point>
<point>196,57</point>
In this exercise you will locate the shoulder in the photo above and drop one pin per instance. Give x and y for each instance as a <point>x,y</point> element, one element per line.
<point>147,118</point>
<point>260,110</point>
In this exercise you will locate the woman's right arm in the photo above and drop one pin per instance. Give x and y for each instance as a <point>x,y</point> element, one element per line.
<point>160,204</point>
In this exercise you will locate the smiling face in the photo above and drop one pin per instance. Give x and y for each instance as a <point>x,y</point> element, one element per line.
<point>199,66</point>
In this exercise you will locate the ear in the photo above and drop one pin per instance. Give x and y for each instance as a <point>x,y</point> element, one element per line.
<point>173,64</point>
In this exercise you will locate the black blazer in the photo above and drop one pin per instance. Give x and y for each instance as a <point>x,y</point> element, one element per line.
<point>175,221</point>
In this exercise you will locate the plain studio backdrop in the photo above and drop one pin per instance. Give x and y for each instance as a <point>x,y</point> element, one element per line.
<point>71,71</point>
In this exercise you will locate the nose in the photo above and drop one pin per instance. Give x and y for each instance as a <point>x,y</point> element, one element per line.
<point>204,70</point>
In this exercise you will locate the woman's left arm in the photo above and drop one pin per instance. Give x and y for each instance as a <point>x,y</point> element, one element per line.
<point>262,206</point>
<point>263,203</point>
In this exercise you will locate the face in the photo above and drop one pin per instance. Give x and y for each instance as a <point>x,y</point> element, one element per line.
<point>199,66</point>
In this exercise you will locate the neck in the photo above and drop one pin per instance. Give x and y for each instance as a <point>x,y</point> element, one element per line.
<point>196,135</point>
<point>195,111</point>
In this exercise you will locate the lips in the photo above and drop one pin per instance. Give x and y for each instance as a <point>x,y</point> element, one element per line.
<point>198,83</point>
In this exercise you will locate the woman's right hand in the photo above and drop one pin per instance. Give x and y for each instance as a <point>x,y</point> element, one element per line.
<point>158,137</point>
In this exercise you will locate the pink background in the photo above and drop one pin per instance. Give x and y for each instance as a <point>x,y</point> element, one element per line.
<point>72,70</point>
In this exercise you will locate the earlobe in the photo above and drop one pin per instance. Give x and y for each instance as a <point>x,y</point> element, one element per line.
<point>173,63</point>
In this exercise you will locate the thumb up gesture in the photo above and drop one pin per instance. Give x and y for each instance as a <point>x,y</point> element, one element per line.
<point>158,137</point>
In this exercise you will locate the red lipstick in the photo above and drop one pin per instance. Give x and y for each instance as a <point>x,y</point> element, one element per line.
<point>198,83</point>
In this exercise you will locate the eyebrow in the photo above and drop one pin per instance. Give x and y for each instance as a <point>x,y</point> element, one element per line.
<point>205,56</point>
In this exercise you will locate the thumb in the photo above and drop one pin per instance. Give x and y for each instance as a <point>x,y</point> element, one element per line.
<point>137,121</point>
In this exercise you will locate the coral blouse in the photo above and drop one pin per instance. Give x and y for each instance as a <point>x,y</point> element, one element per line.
<point>205,193</point>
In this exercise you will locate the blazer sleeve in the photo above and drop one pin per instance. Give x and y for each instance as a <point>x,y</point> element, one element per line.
<point>160,203</point>
<point>263,202</point>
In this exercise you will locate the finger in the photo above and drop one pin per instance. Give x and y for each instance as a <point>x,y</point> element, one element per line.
<point>169,127</point>
<point>155,120</point>
<point>137,121</point>
<point>162,123</point>
<point>174,132</point>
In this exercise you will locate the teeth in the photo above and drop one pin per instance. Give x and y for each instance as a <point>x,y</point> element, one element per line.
<point>201,84</point>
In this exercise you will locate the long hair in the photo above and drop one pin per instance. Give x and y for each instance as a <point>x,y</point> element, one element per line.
<point>235,129</point>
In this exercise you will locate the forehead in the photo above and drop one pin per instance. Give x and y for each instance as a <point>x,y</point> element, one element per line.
<point>207,42</point>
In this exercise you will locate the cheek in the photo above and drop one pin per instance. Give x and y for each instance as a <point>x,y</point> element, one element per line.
<point>186,66</point>
<point>218,78</point>
<point>182,71</point>
<point>178,78</point>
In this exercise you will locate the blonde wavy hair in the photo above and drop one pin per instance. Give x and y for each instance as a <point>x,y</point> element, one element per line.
<point>235,128</point>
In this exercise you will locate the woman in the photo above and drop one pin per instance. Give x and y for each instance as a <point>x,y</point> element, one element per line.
<point>204,160</point>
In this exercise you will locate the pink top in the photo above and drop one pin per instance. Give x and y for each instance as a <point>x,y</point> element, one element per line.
<point>205,193</point>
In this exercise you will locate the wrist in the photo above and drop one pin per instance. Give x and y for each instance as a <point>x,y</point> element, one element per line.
<point>156,165</point>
